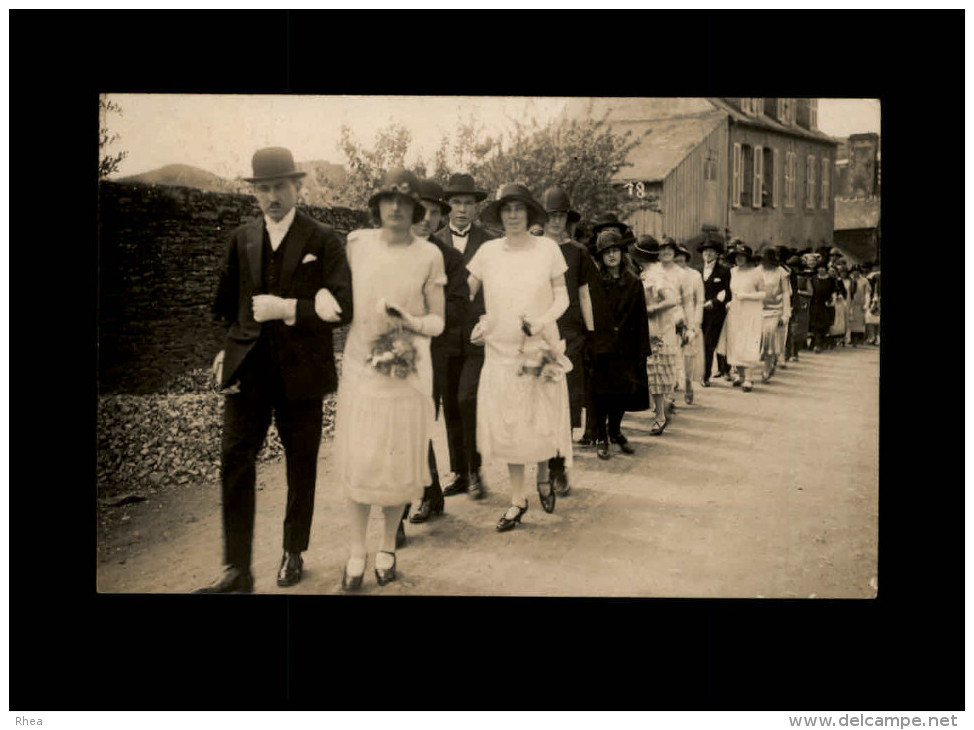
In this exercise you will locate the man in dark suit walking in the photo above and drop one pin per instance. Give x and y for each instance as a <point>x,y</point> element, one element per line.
<point>446,349</point>
<point>284,285</point>
<point>716,295</point>
<point>463,370</point>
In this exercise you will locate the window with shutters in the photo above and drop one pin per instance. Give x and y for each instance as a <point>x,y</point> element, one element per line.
<point>747,175</point>
<point>769,195</point>
<point>736,177</point>
<point>789,179</point>
<point>810,181</point>
<point>826,182</point>
<point>757,184</point>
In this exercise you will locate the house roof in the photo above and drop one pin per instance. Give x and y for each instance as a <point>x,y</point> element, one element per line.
<point>853,214</point>
<point>764,122</point>
<point>665,145</point>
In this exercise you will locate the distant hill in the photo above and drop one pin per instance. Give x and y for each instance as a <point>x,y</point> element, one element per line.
<point>322,178</point>
<point>185,175</point>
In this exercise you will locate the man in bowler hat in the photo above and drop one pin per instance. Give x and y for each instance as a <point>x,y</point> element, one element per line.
<point>285,284</point>
<point>716,295</point>
<point>463,370</point>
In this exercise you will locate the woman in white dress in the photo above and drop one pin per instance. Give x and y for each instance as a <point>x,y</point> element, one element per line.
<point>692,298</point>
<point>777,311</point>
<point>385,405</point>
<point>741,336</point>
<point>522,402</point>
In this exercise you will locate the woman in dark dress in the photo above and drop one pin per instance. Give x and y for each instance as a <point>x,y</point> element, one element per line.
<point>819,316</point>
<point>620,382</point>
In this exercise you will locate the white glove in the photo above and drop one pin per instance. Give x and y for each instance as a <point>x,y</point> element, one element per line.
<point>326,306</point>
<point>268,307</point>
<point>721,295</point>
<point>218,367</point>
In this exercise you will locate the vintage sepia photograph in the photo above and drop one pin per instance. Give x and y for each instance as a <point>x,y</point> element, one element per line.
<point>493,346</point>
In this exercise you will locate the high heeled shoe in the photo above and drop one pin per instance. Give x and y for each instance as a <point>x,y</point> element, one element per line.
<point>352,582</point>
<point>506,523</point>
<point>385,575</point>
<point>547,500</point>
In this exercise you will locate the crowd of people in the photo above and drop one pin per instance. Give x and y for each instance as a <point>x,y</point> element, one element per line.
<point>509,328</point>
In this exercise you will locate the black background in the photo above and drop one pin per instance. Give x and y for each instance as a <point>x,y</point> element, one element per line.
<point>72,649</point>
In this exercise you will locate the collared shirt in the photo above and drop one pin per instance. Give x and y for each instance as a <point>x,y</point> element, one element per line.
<point>277,230</point>
<point>460,240</point>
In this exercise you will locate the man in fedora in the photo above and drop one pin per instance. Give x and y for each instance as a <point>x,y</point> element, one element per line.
<point>466,236</point>
<point>446,349</point>
<point>716,295</point>
<point>577,325</point>
<point>285,284</point>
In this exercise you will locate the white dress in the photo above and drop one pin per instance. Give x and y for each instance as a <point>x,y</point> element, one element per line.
<point>382,422</point>
<point>521,419</point>
<point>741,335</point>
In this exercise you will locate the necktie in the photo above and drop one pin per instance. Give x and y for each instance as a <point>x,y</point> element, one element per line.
<point>455,232</point>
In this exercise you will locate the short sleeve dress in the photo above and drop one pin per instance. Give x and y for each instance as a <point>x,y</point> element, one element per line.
<point>741,336</point>
<point>664,342</point>
<point>521,419</point>
<point>383,422</point>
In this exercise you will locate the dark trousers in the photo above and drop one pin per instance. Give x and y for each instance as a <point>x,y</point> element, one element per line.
<point>575,379</point>
<point>246,418</point>
<point>467,398</point>
<point>607,408</point>
<point>711,327</point>
<point>446,388</point>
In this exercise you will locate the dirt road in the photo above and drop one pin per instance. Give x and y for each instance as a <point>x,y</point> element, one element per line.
<point>772,493</point>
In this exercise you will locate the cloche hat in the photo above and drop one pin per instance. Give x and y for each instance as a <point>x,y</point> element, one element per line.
<point>556,200</point>
<point>433,191</point>
<point>399,181</point>
<point>509,192</point>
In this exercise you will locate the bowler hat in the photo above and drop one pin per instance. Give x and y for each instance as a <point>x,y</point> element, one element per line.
<point>711,243</point>
<point>430,190</point>
<point>556,200</point>
<point>462,184</point>
<point>271,163</point>
<point>609,238</point>
<point>646,247</point>
<point>507,193</point>
<point>399,181</point>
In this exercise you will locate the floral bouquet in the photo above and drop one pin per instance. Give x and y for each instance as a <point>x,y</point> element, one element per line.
<point>393,353</point>
<point>547,363</point>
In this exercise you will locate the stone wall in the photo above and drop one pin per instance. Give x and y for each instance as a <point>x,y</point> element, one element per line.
<point>159,253</point>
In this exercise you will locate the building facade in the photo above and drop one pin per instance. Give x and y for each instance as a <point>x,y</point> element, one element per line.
<point>757,168</point>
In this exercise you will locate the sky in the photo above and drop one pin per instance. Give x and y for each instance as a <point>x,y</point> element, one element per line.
<point>219,133</point>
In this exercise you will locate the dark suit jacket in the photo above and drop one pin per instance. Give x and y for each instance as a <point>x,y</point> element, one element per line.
<point>719,281</point>
<point>450,342</point>
<point>314,258</point>
<point>478,235</point>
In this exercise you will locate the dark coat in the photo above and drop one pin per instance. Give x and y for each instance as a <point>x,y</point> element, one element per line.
<point>581,271</point>
<point>819,316</point>
<point>478,236</point>
<point>314,258</point>
<point>621,341</point>
<point>450,342</point>
<point>719,281</point>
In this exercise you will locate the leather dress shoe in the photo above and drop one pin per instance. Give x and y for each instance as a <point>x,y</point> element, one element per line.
<point>477,488</point>
<point>290,570</point>
<point>386,575</point>
<point>623,443</point>
<point>431,505</point>
<point>602,449</point>
<point>233,580</point>
<point>458,486</point>
<point>586,440</point>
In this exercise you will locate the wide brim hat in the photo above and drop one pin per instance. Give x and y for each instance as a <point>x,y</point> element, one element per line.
<point>463,184</point>
<point>401,182</point>
<point>608,220</point>
<point>707,239</point>
<point>556,200</point>
<point>684,250</point>
<point>646,247</point>
<point>768,254</point>
<point>273,163</point>
<point>743,248</point>
<point>433,191</point>
<point>668,242</point>
<point>507,193</point>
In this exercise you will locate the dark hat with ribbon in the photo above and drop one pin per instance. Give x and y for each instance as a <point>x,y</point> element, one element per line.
<point>462,184</point>
<point>507,193</point>
<point>401,182</point>
<point>646,248</point>
<point>272,163</point>
<point>433,191</point>
<point>681,249</point>
<point>743,249</point>
<point>556,200</point>
<point>609,238</point>
<point>667,241</point>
